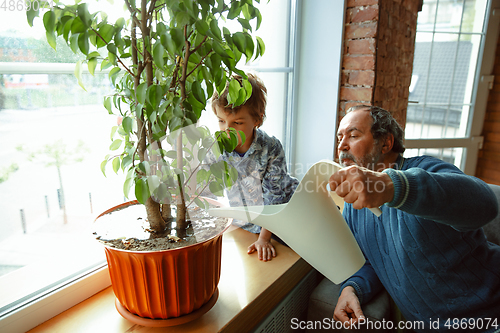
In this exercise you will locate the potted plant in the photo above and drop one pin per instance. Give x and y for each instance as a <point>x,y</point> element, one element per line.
<point>164,62</point>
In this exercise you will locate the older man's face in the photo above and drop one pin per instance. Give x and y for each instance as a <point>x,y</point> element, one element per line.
<point>356,144</point>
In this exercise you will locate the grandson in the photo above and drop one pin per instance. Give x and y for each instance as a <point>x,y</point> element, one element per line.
<point>260,161</point>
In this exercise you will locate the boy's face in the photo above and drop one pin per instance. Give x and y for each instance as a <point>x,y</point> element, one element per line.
<point>240,121</point>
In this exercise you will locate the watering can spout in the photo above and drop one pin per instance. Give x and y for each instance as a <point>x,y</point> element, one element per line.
<point>311,224</point>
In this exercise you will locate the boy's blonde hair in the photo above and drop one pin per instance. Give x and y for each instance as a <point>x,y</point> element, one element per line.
<point>256,103</point>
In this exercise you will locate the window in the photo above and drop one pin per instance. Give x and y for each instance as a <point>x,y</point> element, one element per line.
<point>450,41</point>
<point>54,136</point>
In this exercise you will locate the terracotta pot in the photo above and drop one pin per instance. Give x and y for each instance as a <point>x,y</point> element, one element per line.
<point>165,284</point>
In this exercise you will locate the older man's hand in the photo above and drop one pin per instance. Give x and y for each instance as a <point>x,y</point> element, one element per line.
<point>348,310</point>
<point>361,187</point>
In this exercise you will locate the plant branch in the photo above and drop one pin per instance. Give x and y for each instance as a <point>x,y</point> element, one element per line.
<point>199,64</point>
<point>117,57</point>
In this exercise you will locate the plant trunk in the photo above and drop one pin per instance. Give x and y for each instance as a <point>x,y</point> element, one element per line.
<point>181,221</point>
<point>155,219</point>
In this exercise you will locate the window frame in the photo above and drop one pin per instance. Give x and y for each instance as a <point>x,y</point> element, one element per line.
<point>62,295</point>
<point>473,140</point>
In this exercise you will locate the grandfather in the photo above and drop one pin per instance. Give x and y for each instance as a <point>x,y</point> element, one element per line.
<point>427,249</point>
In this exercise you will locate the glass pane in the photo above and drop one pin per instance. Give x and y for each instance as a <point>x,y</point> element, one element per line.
<point>444,71</point>
<point>442,65</point>
<point>427,16</point>
<point>54,136</point>
<point>473,17</point>
<point>451,155</point>
<point>449,15</point>
<point>468,59</point>
<point>272,31</point>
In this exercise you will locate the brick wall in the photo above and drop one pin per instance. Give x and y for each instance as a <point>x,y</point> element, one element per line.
<point>379,41</point>
<point>489,157</point>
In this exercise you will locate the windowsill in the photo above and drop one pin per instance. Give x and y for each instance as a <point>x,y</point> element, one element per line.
<point>248,290</point>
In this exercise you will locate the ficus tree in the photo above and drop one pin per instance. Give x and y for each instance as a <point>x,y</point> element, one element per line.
<point>164,61</point>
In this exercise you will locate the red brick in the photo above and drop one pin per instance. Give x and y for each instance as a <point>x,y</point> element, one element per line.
<point>361,46</point>
<point>359,62</point>
<point>364,14</point>
<point>365,30</point>
<point>362,78</point>
<point>359,3</point>
<point>355,94</point>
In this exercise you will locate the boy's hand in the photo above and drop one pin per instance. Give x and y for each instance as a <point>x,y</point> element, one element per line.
<point>265,250</point>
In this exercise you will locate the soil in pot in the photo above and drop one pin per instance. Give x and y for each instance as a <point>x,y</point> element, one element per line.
<point>127,228</point>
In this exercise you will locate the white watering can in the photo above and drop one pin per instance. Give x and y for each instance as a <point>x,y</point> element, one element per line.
<point>310,223</point>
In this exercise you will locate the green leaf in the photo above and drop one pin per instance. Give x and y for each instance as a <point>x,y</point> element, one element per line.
<point>115,144</point>
<point>73,43</point>
<point>67,29</point>
<point>239,41</point>
<point>113,73</point>
<point>245,24</point>
<point>202,175</point>
<point>168,43</point>
<point>141,92</point>
<point>31,14</point>
<point>198,92</point>
<point>216,188</point>
<point>233,174</point>
<point>171,154</point>
<point>78,74</point>
<point>92,64</point>
<point>233,91</point>
<point>126,161</point>
<point>84,15</point>
<point>158,51</point>
<point>249,47</point>
<point>49,21</point>
<point>107,104</point>
<point>242,97</point>
<point>83,42</point>
<point>103,166</point>
<point>259,18</point>
<point>202,27</point>
<point>201,203</point>
<point>243,137</point>
<point>261,47</point>
<point>162,192</point>
<point>120,23</point>
<point>106,32</point>
<point>116,164</point>
<point>248,88</point>
<point>234,11</point>
<point>214,29</point>
<point>127,123</point>
<point>141,190</point>
<point>77,26</point>
<point>177,37</point>
<point>202,153</point>
<point>220,50</point>
<point>217,169</point>
<point>153,182</point>
<point>128,184</point>
<point>234,140</point>
<point>51,38</point>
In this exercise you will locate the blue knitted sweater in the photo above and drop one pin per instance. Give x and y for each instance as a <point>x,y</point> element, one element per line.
<point>428,249</point>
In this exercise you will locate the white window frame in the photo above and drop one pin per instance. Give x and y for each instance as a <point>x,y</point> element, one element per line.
<point>473,141</point>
